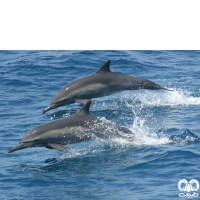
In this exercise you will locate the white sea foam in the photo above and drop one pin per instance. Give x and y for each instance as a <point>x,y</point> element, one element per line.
<point>143,135</point>
<point>165,98</point>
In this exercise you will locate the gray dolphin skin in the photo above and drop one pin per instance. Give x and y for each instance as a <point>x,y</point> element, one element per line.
<point>102,83</point>
<point>79,127</point>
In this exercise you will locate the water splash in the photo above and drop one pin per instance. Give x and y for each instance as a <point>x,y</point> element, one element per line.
<point>165,98</point>
<point>143,134</point>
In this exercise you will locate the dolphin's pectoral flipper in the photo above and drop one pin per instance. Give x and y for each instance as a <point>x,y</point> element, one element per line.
<point>83,101</point>
<point>59,147</point>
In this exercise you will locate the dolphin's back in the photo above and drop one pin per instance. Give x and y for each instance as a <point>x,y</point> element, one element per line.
<point>61,124</point>
<point>87,87</point>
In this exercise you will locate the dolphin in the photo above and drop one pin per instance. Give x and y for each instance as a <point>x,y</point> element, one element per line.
<point>102,83</point>
<point>82,126</point>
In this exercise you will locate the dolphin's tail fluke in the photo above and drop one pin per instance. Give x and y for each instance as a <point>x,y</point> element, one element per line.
<point>48,108</point>
<point>18,147</point>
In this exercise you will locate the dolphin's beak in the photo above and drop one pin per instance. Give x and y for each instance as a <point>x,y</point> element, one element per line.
<point>18,147</point>
<point>48,108</point>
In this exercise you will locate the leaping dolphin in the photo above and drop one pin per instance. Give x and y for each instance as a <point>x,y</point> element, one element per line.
<point>102,83</point>
<point>79,127</point>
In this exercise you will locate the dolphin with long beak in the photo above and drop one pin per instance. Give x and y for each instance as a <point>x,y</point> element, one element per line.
<point>79,127</point>
<point>102,83</point>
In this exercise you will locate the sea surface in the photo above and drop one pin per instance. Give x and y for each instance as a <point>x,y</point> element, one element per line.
<point>166,124</point>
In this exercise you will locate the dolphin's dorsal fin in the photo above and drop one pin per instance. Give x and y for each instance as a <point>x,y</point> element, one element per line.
<point>85,110</point>
<point>105,67</point>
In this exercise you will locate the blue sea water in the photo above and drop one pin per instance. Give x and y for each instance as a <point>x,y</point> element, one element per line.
<point>166,148</point>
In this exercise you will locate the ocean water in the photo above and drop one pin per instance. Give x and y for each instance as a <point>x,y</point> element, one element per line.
<point>166,147</point>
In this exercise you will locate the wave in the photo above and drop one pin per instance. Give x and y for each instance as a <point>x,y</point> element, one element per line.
<point>186,138</point>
